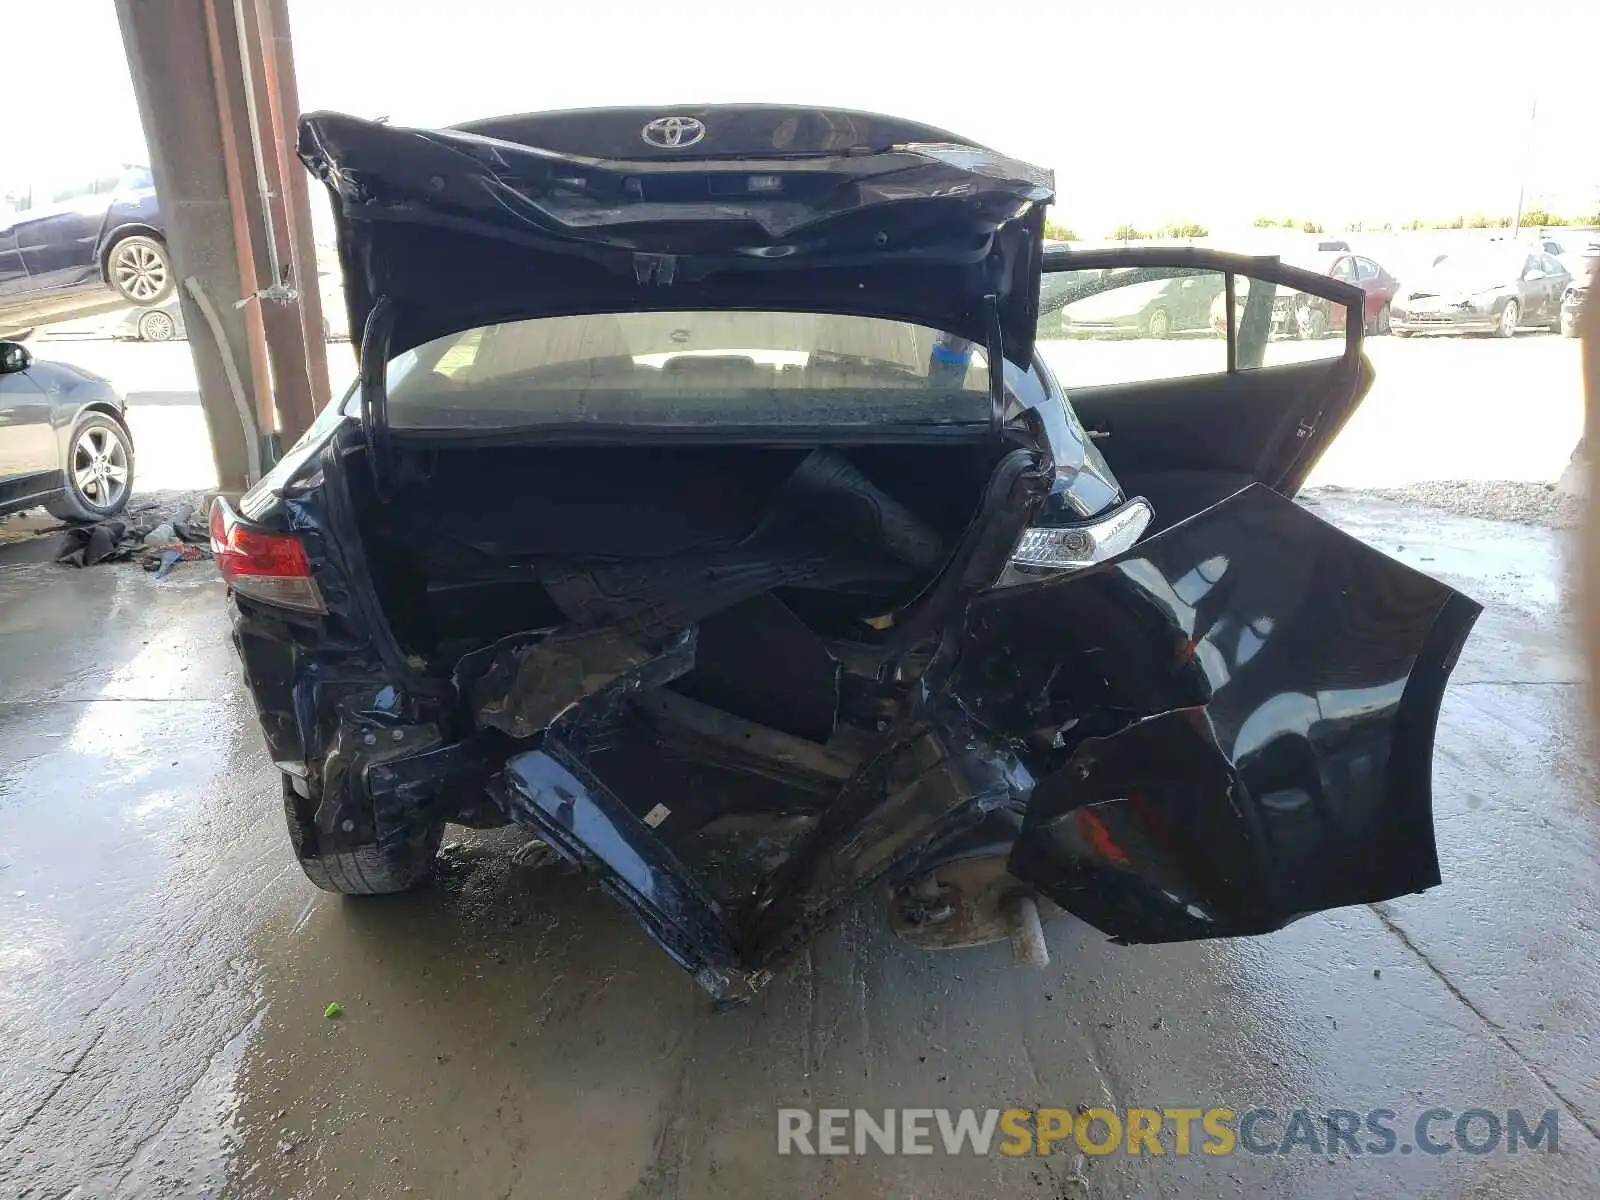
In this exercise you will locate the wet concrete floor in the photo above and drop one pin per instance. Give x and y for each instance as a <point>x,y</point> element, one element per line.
<point>508,1033</point>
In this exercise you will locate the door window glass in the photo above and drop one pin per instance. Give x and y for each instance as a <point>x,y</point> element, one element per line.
<point>72,191</point>
<point>1099,328</point>
<point>1366,269</point>
<point>1276,325</point>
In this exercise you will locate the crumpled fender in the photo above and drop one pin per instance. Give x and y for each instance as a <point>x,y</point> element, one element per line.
<point>1274,686</point>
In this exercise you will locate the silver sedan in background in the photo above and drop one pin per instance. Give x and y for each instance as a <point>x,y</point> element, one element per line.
<point>1498,290</point>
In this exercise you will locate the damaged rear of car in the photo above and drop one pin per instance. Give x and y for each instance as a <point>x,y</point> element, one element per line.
<point>705,507</point>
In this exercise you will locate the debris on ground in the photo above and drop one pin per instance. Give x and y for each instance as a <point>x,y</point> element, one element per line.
<point>333,1010</point>
<point>158,532</point>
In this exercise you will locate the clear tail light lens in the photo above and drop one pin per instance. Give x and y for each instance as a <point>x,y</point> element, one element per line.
<point>269,567</point>
<point>1073,547</point>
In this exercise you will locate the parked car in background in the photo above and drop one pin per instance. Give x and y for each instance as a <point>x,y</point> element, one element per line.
<point>1576,251</point>
<point>1159,308</point>
<point>1304,315</point>
<point>164,322</point>
<point>64,440</point>
<point>1497,289</point>
<point>1572,301</point>
<point>1316,317</point>
<point>803,578</point>
<point>97,240</point>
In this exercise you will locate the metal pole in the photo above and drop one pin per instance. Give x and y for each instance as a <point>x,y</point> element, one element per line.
<point>296,192</point>
<point>1522,179</point>
<point>247,57</point>
<point>231,95</point>
<point>290,346</point>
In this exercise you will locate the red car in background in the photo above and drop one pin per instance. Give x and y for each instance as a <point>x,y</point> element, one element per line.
<point>1302,315</point>
<point>1378,284</point>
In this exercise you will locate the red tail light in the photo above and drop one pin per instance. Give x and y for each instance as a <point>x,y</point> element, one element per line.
<point>270,567</point>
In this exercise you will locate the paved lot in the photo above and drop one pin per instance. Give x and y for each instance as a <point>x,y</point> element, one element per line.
<point>164,966</point>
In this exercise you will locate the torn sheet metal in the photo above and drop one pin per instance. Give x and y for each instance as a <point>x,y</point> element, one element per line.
<point>1278,683</point>
<point>521,687</point>
<point>552,792</point>
<point>1230,727</point>
<point>932,779</point>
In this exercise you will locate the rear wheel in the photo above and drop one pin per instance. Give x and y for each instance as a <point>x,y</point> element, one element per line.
<point>1569,327</point>
<point>391,864</point>
<point>1382,329</point>
<point>139,269</point>
<point>1510,315</point>
<point>99,474</point>
<point>157,326</point>
<point>1159,324</point>
<point>374,870</point>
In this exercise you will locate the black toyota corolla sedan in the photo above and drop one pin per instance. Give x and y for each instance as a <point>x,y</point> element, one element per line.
<point>706,507</point>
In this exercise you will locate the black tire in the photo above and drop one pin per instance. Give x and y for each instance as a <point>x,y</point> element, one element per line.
<point>1568,327</point>
<point>1158,325</point>
<point>157,326</point>
<point>81,501</point>
<point>139,270</point>
<point>1317,324</point>
<point>375,869</point>
<point>1382,323</point>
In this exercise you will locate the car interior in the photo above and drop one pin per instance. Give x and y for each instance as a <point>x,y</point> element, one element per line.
<point>1188,422</point>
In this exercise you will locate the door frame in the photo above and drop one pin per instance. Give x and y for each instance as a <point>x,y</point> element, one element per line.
<point>1349,376</point>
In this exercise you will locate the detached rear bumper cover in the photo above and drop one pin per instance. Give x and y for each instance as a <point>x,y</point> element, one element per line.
<point>1270,685</point>
<point>1286,680</point>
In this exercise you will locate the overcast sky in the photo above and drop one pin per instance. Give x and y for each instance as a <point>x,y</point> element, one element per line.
<point>1147,111</point>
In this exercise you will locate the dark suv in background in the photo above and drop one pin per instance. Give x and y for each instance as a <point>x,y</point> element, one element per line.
<point>61,249</point>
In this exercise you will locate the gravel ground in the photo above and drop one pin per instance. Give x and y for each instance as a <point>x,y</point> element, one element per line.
<point>1489,499</point>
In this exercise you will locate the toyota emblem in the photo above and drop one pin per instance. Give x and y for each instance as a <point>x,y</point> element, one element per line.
<point>673,133</point>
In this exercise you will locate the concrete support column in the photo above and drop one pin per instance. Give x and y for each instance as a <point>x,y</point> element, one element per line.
<point>191,101</point>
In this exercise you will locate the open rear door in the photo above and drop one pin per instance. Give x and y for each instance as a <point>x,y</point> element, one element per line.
<point>1199,373</point>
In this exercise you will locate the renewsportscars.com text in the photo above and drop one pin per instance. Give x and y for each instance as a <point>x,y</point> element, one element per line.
<point>1155,1131</point>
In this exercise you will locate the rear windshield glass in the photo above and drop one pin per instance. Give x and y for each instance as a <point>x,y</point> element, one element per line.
<point>685,369</point>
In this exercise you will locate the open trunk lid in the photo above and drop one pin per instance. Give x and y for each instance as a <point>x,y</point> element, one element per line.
<point>629,210</point>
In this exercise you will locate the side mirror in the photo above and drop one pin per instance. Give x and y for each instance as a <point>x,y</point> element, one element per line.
<point>14,357</point>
